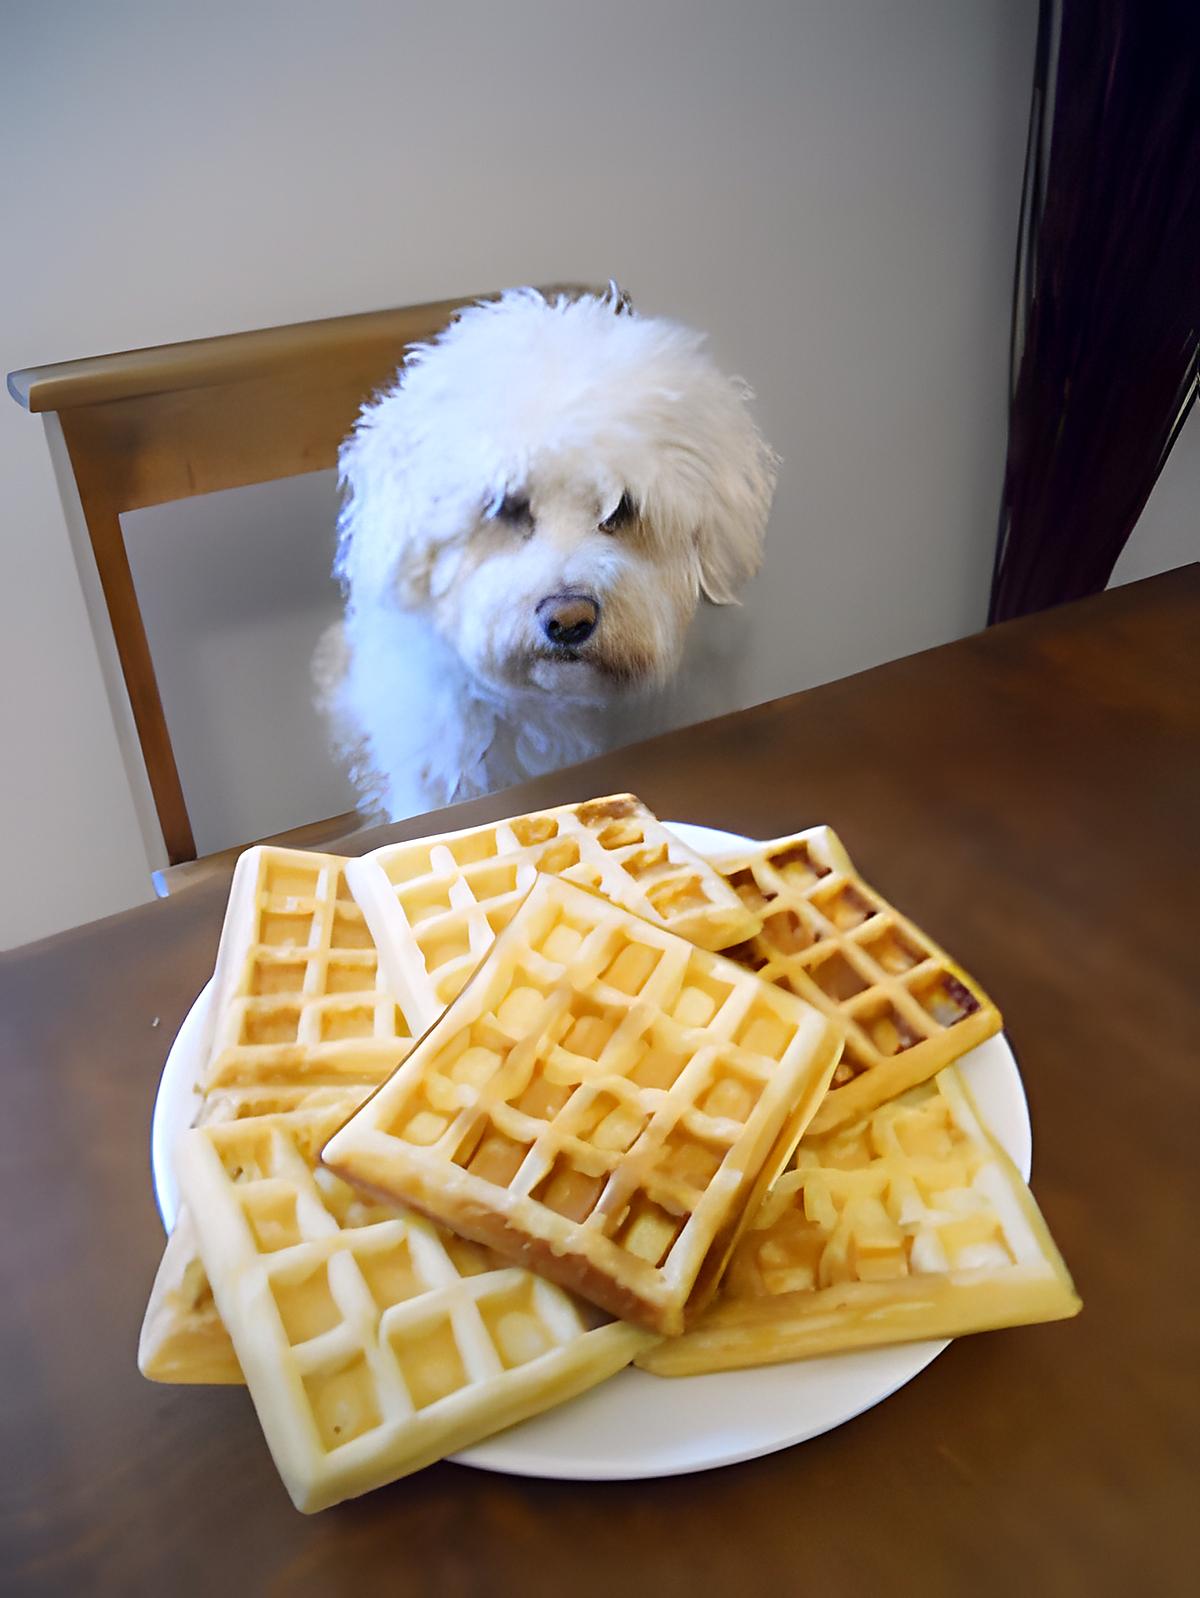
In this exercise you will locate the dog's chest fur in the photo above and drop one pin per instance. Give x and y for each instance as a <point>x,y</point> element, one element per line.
<point>419,731</point>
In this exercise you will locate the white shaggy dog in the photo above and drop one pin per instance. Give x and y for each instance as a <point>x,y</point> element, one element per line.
<point>532,513</point>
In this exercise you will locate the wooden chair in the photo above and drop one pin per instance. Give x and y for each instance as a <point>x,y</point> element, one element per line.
<point>150,426</point>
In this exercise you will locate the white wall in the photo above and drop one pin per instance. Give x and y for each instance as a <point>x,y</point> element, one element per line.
<point>829,186</point>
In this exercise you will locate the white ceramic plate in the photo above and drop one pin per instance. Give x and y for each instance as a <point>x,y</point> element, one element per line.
<point>637,1425</point>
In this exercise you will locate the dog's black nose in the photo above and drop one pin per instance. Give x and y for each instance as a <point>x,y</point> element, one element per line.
<point>568,619</point>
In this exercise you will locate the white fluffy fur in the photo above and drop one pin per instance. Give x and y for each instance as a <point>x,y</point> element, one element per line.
<point>439,681</point>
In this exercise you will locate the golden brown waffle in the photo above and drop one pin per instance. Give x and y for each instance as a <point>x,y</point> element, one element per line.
<point>603,1101</point>
<point>299,1001</point>
<point>907,1007</point>
<point>183,1338</point>
<point>908,1223</point>
<point>436,904</point>
<point>373,1342</point>
<point>299,1017</point>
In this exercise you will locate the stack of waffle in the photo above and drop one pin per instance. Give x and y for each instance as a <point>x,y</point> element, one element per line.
<point>594,1152</point>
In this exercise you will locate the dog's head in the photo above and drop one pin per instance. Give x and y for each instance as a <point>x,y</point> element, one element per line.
<point>556,483</point>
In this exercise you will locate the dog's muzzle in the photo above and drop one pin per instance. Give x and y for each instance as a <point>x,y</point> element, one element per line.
<point>568,620</point>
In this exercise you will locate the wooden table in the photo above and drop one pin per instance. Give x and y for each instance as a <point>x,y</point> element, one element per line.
<point>1032,796</point>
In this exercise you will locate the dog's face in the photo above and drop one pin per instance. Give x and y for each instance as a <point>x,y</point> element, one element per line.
<point>555,486</point>
<point>564,586</point>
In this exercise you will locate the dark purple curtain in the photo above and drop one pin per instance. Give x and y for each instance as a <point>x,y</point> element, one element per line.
<point>1106,303</point>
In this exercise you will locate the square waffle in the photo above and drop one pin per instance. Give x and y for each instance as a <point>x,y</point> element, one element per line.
<point>910,1222</point>
<point>299,1016</point>
<point>373,1341</point>
<point>603,1102</point>
<point>299,1001</point>
<point>908,1009</point>
<point>183,1339</point>
<point>436,904</point>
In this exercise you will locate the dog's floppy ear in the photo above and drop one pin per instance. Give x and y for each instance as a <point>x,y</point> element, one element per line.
<point>364,551</point>
<point>740,470</point>
<point>403,505</point>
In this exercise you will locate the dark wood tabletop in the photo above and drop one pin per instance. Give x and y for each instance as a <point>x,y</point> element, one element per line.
<point>1031,795</point>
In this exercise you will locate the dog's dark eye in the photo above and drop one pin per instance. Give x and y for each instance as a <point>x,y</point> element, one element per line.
<point>621,516</point>
<point>513,508</point>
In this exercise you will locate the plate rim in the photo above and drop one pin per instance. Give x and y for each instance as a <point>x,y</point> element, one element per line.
<point>504,1454</point>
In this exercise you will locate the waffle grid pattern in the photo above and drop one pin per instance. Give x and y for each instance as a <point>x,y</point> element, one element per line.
<point>373,1342</point>
<point>883,1198</point>
<point>300,1001</point>
<point>602,1093</point>
<point>437,904</point>
<point>905,1224</point>
<point>826,936</point>
<point>300,1017</point>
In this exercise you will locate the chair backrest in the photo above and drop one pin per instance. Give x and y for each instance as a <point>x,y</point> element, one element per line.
<point>150,426</point>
